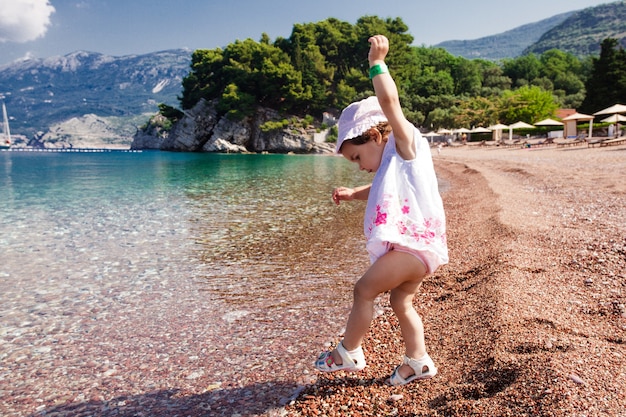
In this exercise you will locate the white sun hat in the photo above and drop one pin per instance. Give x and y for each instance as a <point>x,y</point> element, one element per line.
<point>357,118</point>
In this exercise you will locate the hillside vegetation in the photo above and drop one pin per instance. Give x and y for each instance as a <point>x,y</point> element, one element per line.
<point>582,32</point>
<point>323,67</point>
<point>578,32</point>
<point>509,44</point>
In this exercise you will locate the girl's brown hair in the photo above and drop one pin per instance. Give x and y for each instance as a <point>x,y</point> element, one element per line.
<point>384,128</point>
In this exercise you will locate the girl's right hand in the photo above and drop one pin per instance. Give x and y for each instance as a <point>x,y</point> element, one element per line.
<point>342,193</point>
<point>379,47</point>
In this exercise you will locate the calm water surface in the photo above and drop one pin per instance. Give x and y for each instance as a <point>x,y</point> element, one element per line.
<point>232,216</point>
<point>103,243</point>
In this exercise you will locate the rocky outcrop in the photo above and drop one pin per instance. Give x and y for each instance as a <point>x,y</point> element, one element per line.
<point>87,131</point>
<point>202,129</point>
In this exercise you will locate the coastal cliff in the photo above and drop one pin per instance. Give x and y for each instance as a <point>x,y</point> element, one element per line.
<point>202,129</point>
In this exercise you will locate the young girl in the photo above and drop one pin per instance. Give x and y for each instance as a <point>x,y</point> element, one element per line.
<point>404,221</point>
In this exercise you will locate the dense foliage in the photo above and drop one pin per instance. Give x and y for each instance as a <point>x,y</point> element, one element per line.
<point>323,67</point>
<point>607,83</point>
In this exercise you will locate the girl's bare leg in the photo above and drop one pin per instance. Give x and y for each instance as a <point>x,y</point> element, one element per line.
<point>410,323</point>
<point>394,270</point>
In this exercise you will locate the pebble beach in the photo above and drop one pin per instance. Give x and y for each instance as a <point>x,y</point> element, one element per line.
<point>527,319</point>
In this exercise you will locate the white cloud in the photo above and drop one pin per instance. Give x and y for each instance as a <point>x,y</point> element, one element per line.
<point>24,20</point>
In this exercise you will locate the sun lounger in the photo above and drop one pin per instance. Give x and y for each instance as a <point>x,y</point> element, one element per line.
<point>568,142</point>
<point>593,142</point>
<point>611,142</point>
<point>536,143</point>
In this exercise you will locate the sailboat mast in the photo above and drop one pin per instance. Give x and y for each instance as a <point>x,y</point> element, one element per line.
<point>5,122</point>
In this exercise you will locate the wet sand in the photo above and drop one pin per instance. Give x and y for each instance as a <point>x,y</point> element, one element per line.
<point>529,317</point>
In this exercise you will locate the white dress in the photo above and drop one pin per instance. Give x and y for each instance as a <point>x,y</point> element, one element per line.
<point>404,206</point>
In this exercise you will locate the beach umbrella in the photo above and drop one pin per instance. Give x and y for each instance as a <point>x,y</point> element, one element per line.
<point>518,125</point>
<point>431,134</point>
<point>614,109</point>
<point>521,125</point>
<point>575,118</point>
<point>548,122</point>
<point>616,118</point>
<point>461,131</point>
<point>444,131</point>
<point>480,130</point>
<point>497,130</point>
<point>578,116</point>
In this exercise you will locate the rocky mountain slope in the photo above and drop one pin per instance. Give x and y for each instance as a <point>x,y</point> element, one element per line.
<point>40,93</point>
<point>577,32</point>
<point>582,33</point>
<point>508,44</point>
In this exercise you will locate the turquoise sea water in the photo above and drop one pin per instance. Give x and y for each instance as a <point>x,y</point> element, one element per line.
<point>227,255</point>
<point>227,215</point>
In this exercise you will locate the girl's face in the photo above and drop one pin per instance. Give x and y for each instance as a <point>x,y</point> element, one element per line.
<point>367,155</point>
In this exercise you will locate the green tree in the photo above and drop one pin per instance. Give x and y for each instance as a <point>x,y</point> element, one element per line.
<point>235,103</point>
<point>554,70</point>
<point>171,113</point>
<point>467,75</point>
<point>494,81</point>
<point>323,66</point>
<point>555,62</point>
<point>565,72</point>
<point>477,111</point>
<point>527,103</point>
<point>206,78</point>
<point>607,82</point>
<point>522,70</point>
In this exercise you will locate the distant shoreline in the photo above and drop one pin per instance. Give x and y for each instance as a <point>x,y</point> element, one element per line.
<point>72,150</point>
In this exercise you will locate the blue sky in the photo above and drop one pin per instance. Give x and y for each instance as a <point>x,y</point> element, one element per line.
<point>43,28</point>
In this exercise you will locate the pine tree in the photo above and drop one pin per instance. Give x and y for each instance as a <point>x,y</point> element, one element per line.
<point>607,84</point>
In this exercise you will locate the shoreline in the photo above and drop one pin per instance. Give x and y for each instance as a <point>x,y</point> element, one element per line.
<point>528,318</point>
<point>73,150</point>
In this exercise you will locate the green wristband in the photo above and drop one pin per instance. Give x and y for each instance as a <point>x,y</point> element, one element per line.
<point>378,69</point>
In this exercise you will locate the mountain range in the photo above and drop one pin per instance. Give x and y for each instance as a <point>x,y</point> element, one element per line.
<point>58,99</point>
<point>40,93</point>
<point>508,44</point>
<point>577,32</point>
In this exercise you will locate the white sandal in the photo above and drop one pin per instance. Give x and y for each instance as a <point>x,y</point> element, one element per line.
<point>352,361</point>
<point>418,367</point>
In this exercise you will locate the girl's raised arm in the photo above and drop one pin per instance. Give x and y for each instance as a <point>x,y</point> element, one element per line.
<point>387,94</point>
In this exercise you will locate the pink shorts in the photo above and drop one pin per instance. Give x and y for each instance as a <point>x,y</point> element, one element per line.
<point>422,256</point>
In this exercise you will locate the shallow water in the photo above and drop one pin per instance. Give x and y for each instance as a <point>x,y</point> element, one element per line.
<point>118,256</point>
<point>128,276</point>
